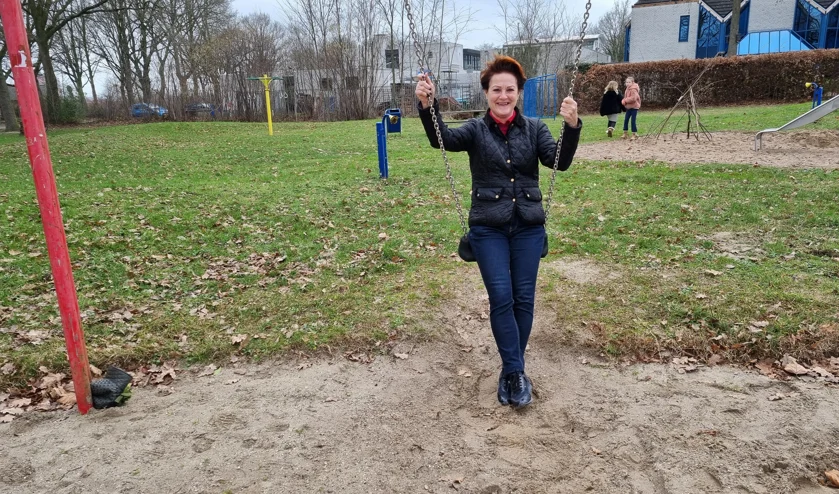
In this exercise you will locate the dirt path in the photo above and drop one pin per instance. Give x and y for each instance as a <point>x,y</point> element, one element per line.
<point>430,423</point>
<point>796,149</point>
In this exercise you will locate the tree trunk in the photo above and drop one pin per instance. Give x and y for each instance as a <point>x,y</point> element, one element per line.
<point>6,106</point>
<point>52,96</point>
<point>734,36</point>
<point>90,72</point>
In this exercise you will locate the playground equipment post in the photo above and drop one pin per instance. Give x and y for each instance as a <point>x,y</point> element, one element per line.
<point>266,81</point>
<point>39,157</point>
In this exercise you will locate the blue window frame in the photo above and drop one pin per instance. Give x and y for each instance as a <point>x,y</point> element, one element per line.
<point>807,22</point>
<point>684,28</point>
<point>708,34</point>
<point>626,43</point>
<point>832,40</point>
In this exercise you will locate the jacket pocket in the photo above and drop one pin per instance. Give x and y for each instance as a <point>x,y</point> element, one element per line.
<point>488,208</point>
<point>487,193</point>
<point>530,206</point>
<point>532,193</point>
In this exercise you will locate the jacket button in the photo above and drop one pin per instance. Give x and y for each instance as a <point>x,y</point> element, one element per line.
<point>514,199</point>
<point>512,180</point>
<point>528,195</point>
<point>497,196</point>
<point>479,195</point>
<point>508,161</point>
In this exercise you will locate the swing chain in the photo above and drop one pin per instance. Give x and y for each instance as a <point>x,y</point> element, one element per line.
<point>420,60</point>
<point>570,94</point>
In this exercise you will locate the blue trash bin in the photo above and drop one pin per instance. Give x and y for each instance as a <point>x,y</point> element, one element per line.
<point>393,120</point>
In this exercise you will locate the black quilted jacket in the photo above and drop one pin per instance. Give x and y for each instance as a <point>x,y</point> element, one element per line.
<point>611,103</point>
<point>505,170</point>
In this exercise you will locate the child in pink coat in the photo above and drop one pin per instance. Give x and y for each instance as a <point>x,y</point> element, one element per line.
<point>632,102</point>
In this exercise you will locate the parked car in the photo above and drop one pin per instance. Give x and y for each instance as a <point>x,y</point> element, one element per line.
<point>200,110</point>
<point>147,110</point>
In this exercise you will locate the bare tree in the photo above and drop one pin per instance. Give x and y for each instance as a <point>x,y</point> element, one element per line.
<point>612,26</point>
<point>48,17</point>
<point>734,35</point>
<point>191,24</point>
<point>537,30</point>
<point>114,44</point>
<point>6,106</point>
<point>73,56</point>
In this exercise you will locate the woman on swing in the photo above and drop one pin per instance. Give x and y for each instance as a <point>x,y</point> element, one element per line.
<point>506,220</point>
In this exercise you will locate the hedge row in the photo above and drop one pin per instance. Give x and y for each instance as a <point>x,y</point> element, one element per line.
<point>778,77</point>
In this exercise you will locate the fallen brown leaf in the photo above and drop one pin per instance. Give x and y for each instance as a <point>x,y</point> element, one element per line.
<point>766,368</point>
<point>20,402</point>
<point>67,400</point>
<point>792,366</point>
<point>832,477</point>
<point>208,371</point>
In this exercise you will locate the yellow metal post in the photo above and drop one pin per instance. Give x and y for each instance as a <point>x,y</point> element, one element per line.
<point>266,81</point>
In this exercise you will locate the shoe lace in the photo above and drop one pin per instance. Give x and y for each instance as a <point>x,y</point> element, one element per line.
<point>518,381</point>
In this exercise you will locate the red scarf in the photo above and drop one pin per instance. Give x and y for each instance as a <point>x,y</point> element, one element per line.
<point>503,126</point>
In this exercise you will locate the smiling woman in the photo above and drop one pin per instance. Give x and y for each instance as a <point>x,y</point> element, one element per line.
<point>507,220</point>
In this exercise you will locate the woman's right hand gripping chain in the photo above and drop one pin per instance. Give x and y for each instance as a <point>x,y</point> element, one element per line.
<point>424,90</point>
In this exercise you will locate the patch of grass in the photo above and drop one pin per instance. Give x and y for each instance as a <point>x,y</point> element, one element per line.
<point>187,236</point>
<point>751,118</point>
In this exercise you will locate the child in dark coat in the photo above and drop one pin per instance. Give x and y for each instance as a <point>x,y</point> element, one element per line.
<point>610,106</point>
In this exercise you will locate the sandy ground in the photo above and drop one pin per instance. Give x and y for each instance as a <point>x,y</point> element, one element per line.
<point>429,422</point>
<point>795,149</point>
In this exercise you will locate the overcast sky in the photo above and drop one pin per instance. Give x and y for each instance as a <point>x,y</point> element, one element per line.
<point>486,16</point>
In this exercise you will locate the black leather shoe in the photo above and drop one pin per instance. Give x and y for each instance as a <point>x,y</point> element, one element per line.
<point>521,389</point>
<point>503,389</point>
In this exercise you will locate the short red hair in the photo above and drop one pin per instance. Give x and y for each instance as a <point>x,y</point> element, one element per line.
<point>501,64</point>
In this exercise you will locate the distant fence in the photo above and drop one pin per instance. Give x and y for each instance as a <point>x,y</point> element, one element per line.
<point>541,97</point>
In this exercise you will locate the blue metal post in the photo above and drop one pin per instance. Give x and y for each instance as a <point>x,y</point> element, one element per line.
<point>381,140</point>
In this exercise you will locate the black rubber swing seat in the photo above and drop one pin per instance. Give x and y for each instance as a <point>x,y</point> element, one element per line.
<point>107,391</point>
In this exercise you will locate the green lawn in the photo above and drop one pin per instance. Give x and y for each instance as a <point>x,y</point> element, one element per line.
<point>187,236</point>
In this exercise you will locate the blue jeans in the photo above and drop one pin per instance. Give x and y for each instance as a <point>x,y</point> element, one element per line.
<point>508,258</point>
<point>631,113</point>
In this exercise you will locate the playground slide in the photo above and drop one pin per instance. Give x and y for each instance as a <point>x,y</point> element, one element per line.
<point>811,116</point>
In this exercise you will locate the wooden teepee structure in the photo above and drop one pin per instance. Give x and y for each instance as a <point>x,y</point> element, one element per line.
<point>688,101</point>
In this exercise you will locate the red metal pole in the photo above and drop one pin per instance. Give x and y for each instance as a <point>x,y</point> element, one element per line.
<point>39,157</point>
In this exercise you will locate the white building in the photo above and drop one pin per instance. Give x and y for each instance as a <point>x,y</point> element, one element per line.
<point>673,29</point>
<point>553,54</point>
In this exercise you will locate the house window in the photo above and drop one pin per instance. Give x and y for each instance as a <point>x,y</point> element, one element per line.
<point>832,40</point>
<point>392,59</point>
<point>807,23</point>
<point>684,28</point>
<point>471,60</point>
<point>626,43</point>
<point>326,84</point>
<point>708,35</point>
<point>352,82</point>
